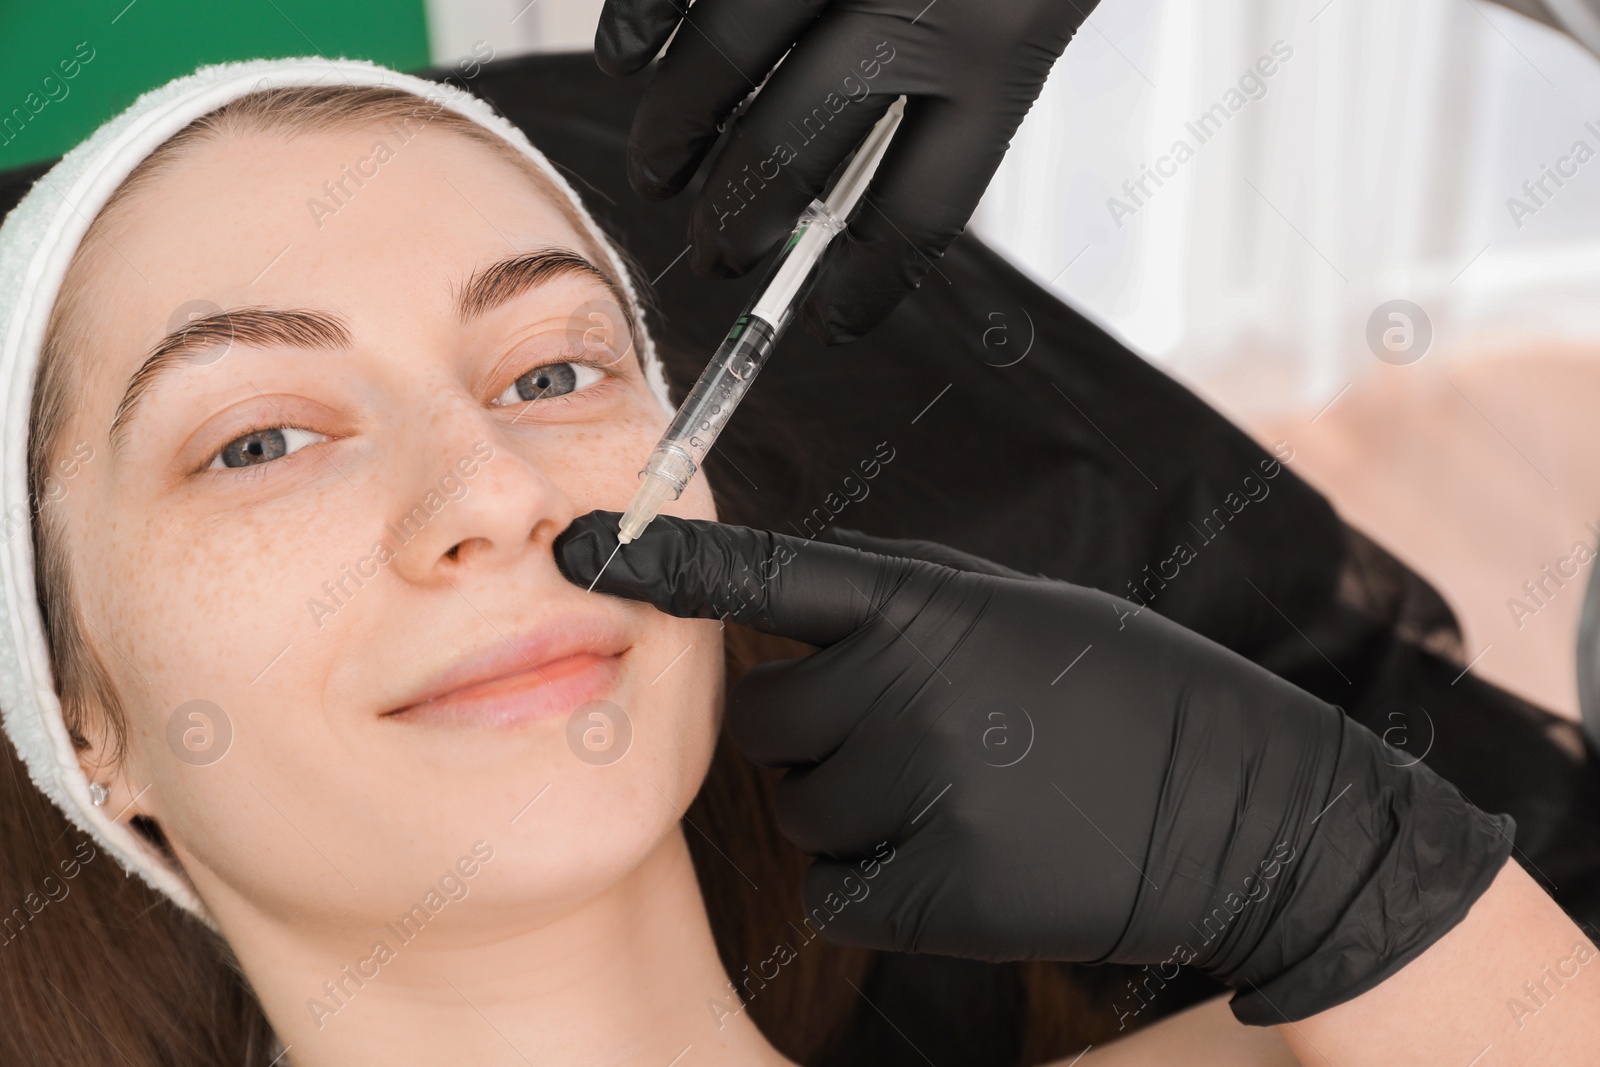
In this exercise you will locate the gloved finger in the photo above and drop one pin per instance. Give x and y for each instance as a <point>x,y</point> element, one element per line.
<point>914,901</point>
<point>631,32</point>
<point>912,548</point>
<point>779,716</point>
<point>775,583</point>
<point>788,713</point>
<point>791,713</point>
<point>841,808</point>
<point>892,771</point>
<point>919,200</point>
<point>849,908</point>
<point>722,52</point>
<point>811,113</point>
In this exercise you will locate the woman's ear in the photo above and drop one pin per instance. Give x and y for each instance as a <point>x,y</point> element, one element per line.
<point>114,787</point>
<point>103,761</point>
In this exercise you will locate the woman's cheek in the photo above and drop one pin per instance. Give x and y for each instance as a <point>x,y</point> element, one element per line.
<point>597,465</point>
<point>697,698</point>
<point>209,612</point>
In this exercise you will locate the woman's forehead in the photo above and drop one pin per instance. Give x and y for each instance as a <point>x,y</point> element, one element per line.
<point>329,218</point>
<point>331,196</point>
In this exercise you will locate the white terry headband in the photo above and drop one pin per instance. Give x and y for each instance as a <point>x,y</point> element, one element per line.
<point>37,243</point>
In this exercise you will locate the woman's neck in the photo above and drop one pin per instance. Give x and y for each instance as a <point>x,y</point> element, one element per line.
<point>625,977</point>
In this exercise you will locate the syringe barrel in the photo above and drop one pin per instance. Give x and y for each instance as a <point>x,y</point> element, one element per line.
<point>699,420</point>
<point>715,396</point>
<point>744,351</point>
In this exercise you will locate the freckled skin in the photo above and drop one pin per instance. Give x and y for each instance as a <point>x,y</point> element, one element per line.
<point>193,581</point>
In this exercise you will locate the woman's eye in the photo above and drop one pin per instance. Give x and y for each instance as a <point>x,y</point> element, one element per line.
<point>264,446</point>
<point>552,379</point>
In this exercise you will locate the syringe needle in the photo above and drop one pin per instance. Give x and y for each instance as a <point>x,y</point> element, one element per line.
<point>606,564</point>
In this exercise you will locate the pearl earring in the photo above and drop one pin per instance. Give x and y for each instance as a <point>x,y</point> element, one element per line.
<point>98,794</point>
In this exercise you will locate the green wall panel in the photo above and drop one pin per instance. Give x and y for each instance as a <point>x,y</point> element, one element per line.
<point>115,50</point>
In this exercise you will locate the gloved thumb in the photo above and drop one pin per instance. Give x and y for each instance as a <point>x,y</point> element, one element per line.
<point>811,592</point>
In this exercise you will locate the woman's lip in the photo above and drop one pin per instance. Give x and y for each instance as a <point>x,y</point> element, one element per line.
<point>525,662</point>
<point>551,689</point>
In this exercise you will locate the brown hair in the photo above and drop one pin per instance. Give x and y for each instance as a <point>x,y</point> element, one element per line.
<point>90,957</point>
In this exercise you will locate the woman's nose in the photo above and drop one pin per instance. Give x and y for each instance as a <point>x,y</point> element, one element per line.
<point>469,497</point>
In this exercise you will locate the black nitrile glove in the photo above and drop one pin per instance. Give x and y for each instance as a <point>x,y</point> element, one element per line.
<point>1060,774</point>
<point>970,70</point>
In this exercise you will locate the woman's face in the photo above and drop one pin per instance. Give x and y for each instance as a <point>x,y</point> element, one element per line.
<point>317,520</point>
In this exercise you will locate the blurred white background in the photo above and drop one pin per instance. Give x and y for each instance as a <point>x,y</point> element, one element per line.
<point>513,27</point>
<point>1377,165</point>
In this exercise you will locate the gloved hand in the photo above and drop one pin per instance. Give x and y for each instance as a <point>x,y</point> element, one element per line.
<point>1060,774</point>
<point>969,70</point>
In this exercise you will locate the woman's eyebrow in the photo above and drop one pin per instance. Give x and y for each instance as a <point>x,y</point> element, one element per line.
<point>210,337</point>
<point>207,338</point>
<point>508,278</point>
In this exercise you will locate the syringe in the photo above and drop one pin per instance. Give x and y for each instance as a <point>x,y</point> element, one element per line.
<point>754,335</point>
